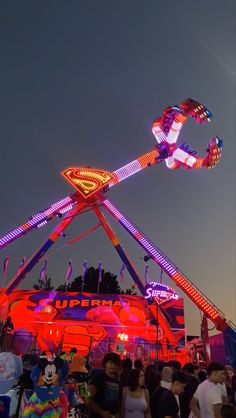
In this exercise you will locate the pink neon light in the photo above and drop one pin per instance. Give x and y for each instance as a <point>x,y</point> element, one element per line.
<point>159,135</point>
<point>127,171</point>
<point>66,209</point>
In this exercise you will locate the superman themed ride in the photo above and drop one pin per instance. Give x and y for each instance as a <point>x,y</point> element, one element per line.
<point>91,188</point>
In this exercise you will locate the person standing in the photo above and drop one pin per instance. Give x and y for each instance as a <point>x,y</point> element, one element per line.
<point>126,367</point>
<point>207,400</point>
<point>104,389</point>
<point>190,389</point>
<point>169,403</point>
<point>152,383</point>
<point>135,398</point>
<point>7,333</point>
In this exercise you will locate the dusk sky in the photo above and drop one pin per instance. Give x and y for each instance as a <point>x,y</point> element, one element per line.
<point>81,83</point>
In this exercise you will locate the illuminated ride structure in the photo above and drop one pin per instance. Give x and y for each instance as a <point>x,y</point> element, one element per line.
<point>92,186</point>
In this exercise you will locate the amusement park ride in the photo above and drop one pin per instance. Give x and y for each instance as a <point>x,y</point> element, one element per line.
<point>92,186</point>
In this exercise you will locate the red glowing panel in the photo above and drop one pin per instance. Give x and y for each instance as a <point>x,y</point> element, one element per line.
<point>88,181</point>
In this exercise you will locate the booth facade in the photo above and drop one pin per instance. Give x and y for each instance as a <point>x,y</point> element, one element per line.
<point>95,323</point>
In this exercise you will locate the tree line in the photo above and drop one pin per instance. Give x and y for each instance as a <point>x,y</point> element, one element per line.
<point>90,283</point>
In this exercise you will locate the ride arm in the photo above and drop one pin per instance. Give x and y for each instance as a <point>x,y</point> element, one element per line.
<point>39,219</point>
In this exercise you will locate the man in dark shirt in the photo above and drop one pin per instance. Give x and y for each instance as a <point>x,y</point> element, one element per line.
<point>152,383</point>
<point>190,389</point>
<point>169,403</point>
<point>104,389</point>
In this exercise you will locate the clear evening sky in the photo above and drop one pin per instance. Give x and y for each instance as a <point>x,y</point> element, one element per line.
<point>81,83</point>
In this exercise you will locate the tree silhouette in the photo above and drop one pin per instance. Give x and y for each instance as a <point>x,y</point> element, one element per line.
<point>45,284</point>
<point>129,292</point>
<point>109,283</point>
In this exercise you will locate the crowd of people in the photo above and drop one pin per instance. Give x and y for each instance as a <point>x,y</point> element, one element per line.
<point>161,391</point>
<point>66,386</point>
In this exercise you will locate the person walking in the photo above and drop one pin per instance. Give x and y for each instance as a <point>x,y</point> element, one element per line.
<point>207,400</point>
<point>104,389</point>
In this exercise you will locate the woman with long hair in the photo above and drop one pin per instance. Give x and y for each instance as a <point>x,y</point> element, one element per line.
<point>135,399</point>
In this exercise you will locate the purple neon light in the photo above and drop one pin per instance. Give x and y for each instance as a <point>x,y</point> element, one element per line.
<point>161,291</point>
<point>66,209</point>
<point>37,220</point>
<point>159,135</point>
<point>151,249</point>
<point>127,170</point>
<point>42,224</point>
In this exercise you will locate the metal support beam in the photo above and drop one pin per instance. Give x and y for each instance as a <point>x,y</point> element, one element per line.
<point>41,251</point>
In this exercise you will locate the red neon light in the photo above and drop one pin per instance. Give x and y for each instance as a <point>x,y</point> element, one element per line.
<point>195,296</point>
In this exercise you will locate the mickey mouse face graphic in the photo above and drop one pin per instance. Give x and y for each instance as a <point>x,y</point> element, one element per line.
<point>50,374</point>
<point>49,371</point>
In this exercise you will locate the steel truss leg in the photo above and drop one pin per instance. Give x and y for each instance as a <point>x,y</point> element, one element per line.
<point>154,309</point>
<point>115,242</point>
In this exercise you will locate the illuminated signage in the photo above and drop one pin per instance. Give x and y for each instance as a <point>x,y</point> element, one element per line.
<point>160,292</point>
<point>84,303</point>
<point>88,181</point>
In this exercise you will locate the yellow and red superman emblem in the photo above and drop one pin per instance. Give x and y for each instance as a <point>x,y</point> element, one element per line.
<point>88,181</point>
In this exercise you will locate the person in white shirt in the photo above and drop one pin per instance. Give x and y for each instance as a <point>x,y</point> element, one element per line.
<point>207,400</point>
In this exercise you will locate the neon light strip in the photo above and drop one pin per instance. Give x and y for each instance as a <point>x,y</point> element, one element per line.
<point>66,208</point>
<point>38,220</point>
<point>135,166</point>
<point>159,134</point>
<point>127,170</point>
<point>162,260</point>
<point>184,157</point>
<point>175,128</point>
<point>174,132</point>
